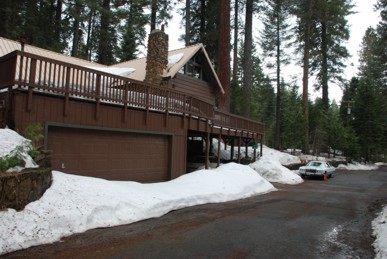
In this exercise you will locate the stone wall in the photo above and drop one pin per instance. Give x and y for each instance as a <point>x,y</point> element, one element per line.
<point>19,189</point>
<point>157,57</point>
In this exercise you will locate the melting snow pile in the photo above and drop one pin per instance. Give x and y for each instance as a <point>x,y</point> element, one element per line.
<point>12,144</point>
<point>379,226</point>
<point>271,169</point>
<point>358,166</point>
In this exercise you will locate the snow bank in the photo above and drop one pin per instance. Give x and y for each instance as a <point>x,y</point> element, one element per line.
<point>272,170</point>
<point>75,204</point>
<point>11,144</point>
<point>379,226</point>
<point>357,166</point>
<point>283,158</point>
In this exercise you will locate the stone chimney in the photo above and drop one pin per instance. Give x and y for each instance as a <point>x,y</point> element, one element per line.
<point>157,58</point>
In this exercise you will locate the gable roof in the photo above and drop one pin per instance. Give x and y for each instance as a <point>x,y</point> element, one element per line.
<point>177,59</point>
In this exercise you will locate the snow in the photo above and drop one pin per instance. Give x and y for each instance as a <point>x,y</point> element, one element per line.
<point>273,171</point>
<point>379,226</point>
<point>11,143</point>
<point>119,71</point>
<point>357,166</point>
<point>172,60</point>
<point>74,204</point>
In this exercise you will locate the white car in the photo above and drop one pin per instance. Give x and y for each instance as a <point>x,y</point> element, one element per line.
<point>317,168</point>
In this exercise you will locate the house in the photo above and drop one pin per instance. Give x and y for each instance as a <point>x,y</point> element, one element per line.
<point>141,120</point>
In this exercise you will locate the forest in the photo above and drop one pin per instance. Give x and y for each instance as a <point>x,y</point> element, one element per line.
<point>311,33</point>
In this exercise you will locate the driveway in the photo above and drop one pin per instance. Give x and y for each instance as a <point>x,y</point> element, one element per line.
<point>315,219</point>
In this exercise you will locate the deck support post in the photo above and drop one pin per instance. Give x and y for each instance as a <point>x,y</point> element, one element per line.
<point>208,140</point>
<point>260,146</point>
<point>239,149</point>
<point>219,139</point>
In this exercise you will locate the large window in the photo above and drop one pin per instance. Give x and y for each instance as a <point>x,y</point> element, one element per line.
<point>193,69</point>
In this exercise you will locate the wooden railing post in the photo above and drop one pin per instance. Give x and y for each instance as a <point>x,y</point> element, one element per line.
<point>147,105</point>
<point>167,109</point>
<point>126,89</point>
<point>31,81</point>
<point>67,91</point>
<point>98,96</point>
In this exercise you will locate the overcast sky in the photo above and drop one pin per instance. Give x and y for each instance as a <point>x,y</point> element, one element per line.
<point>359,22</point>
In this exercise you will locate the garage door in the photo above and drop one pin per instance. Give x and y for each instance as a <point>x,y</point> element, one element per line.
<point>110,155</point>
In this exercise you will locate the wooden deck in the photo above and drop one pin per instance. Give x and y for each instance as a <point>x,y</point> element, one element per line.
<point>34,73</point>
<point>88,98</point>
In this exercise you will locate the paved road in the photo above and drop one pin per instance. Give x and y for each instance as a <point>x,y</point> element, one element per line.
<point>315,219</point>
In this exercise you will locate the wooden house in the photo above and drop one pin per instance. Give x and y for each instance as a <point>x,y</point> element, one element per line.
<point>114,122</point>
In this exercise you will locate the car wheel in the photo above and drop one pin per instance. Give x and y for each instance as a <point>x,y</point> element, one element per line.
<point>303,176</point>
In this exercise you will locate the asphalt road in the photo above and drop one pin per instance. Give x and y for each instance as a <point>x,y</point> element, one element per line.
<point>315,219</point>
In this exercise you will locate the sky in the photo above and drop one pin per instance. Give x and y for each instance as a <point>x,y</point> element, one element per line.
<point>75,204</point>
<point>358,22</point>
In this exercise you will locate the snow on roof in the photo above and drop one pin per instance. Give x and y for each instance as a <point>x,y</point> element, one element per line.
<point>172,60</point>
<point>119,71</point>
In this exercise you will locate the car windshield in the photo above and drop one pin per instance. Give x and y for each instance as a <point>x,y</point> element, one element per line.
<point>314,164</point>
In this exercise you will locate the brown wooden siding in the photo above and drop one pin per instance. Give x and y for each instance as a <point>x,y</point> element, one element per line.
<point>110,155</point>
<point>48,110</point>
<point>115,104</point>
<point>194,87</point>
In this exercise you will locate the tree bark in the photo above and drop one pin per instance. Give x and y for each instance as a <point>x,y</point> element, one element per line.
<point>224,54</point>
<point>202,19</point>
<point>187,22</point>
<point>305,78</point>
<point>277,142</point>
<point>104,34</point>
<point>235,50</point>
<point>74,50</point>
<point>247,61</point>
<point>324,55</point>
<point>153,15</point>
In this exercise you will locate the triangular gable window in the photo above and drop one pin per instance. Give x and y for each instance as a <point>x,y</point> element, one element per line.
<point>193,69</point>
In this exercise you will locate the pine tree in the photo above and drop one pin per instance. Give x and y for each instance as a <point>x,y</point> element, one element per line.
<point>305,13</point>
<point>160,13</point>
<point>274,39</point>
<point>11,18</point>
<point>247,61</point>
<point>369,121</point>
<point>331,34</point>
<point>133,32</point>
<point>291,107</point>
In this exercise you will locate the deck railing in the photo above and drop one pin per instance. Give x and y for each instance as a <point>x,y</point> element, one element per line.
<point>39,74</point>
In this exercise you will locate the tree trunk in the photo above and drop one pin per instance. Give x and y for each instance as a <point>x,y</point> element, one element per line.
<point>247,61</point>
<point>88,48</point>
<point>324,55</point>
<point>277,142</point>
<point>187,22</point>
<point>74,50</point>
<point>202,19</point>
<point>58,19</point>
<point>224,54</point>
<point>235,50</point>
<point>305,78</point>
<point>153,15</point>
<point>104,34</point>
